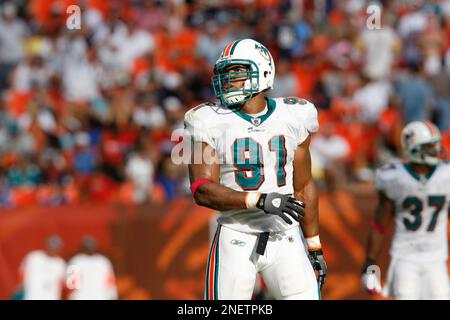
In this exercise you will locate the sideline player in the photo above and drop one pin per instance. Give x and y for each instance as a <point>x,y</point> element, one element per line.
<point>93,272</point>
<point>416,195</point>
<point>42,272</point>
<point>250,160</point>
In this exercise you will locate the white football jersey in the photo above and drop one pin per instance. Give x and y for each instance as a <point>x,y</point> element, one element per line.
<point>43,276</point>
<point>255,153</point>
<point>95,276</point>
<point>421,210</point>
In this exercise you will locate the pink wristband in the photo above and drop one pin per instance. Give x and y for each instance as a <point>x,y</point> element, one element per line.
<point>378,228</point>
<point>197,184</point>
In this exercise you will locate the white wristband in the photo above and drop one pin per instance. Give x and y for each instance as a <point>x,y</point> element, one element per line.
<point>251,199</point>
<point>313,243</point>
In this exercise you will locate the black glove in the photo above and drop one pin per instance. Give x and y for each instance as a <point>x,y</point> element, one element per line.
<point>281,205</point>
<point>318,263</point>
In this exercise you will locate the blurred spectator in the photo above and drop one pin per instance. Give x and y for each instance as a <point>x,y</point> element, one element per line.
<point>152,15</point>
<point>82,78</point>
<point>91,274</point>
<point>285,83</point>
<point>84,158</point>
<point>42,272</point>
<point>415,95</point>
<point>285,37</point>
<point>140,172</point>
<point>343,103</point>
<point>302,35</point>
<point>413,21</point>
<point>440,83</point>
<point>379,50</point>
<point>329,154</point>
<point>174,111</point>
<point>433,41</point>
<point>31,73</point>
<point>372,98</point>
<point>12,36</point>
<point>115,144</point>
<point>5,191</point>
<point>24,173</point>
<point>123,42</point>
<point>212,42</point>
<point>341,52</point>
<point>411,24</point>
<point>147,113</point>
<point>170,177</point>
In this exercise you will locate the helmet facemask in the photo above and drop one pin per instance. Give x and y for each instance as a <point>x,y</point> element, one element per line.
<point>223,78</point>
<point>422,144</point>
<point>426,153</point>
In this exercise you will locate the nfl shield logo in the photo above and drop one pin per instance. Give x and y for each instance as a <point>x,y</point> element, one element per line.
<point>256,121</point>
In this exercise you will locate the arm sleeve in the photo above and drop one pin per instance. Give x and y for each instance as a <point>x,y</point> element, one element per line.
<point>312,122</point>
<point>306,120</point>
<point>382,183</point>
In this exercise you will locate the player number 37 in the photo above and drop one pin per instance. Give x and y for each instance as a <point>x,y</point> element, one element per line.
<point>415,207</point>
<point>247,159</point>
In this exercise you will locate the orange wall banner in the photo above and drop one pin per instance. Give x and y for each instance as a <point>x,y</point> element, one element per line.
<point>160,252</point>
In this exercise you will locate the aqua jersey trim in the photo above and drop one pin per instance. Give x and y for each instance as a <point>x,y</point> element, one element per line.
<point>410,170</point>
<point>271,105</point>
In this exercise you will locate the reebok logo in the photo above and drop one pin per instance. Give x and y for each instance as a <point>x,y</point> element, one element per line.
<point>276,202</point>
<point>237,242</point>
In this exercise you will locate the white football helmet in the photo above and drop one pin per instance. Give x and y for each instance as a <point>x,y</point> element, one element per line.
<point>259,74</point>
<point>421,142</point>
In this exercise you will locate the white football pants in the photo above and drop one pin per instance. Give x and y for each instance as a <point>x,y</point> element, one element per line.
<point>409,280</point>
<point>233,264</point>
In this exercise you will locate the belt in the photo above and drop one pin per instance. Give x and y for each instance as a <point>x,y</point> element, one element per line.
<point>262,243</point>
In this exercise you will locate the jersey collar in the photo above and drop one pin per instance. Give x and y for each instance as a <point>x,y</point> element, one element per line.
<point>256,121</point>
<point>408,168</point>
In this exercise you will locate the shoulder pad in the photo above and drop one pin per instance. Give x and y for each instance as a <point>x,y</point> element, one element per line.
<point>198,124</point>
<point>385,175</point>
<point>203,105</point>
<point>303,111</point>
<point>196,114</point>
<point>388,166</point>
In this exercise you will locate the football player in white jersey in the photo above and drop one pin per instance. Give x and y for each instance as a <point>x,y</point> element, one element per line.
<point>91,274</point>
<point>250,161</point>
<point>415,196</point>
<point>42,272</point>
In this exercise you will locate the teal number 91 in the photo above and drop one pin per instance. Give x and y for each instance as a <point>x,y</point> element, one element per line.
<point>247,159</point>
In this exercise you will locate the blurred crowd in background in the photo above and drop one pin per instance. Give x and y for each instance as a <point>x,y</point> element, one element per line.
<point>88,114</point>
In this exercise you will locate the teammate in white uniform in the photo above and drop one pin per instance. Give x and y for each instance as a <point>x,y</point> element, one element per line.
<point>92,274</point>
<point>250,160</point>
<point>42,272</point>
<point>416,195</point>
